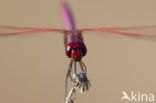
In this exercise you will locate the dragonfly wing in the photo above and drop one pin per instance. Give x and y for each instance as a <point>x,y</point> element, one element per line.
<point>132,27</point>
<point>137,32</point>
<point>12,30</point>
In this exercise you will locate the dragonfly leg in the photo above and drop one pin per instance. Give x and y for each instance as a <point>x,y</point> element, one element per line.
<point>68,75</point>
<point>75,68</point>
<point>83,67</point>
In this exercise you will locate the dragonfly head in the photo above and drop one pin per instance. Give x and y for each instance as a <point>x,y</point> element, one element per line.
<point>76,51</point>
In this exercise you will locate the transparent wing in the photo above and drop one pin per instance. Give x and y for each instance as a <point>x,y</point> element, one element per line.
<point>138,31</point>
<point>13,30</point>
<point>132,27</point>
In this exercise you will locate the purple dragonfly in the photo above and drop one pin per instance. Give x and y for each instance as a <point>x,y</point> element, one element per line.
<point>73,40</point>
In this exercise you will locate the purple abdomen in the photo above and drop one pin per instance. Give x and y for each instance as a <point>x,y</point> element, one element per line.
<point>67,18</point>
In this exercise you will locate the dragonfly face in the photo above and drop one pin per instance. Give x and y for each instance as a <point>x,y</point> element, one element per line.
<point>76,51</point>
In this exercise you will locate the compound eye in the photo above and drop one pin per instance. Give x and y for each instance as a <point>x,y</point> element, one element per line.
<point>84,50</point>
<point>69,48</point>
<point>82,47</point>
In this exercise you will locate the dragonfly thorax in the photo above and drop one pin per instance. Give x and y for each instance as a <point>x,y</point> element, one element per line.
<point>76,50</point>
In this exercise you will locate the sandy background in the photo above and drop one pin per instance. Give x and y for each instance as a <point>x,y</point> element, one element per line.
<point>32,68</point>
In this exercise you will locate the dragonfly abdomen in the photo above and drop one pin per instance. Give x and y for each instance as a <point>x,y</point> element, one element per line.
<point>67,17</point>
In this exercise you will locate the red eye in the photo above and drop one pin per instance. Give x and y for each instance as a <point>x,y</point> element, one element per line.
<point>75,49</point>
<point>69,48</point>
<point>82,47</point>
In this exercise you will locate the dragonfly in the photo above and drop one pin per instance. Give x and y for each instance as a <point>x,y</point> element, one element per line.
<point>73,40</point>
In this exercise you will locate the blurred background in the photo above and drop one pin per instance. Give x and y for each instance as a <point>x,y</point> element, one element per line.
<point>33,68</point>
